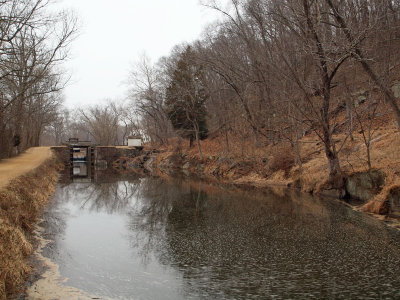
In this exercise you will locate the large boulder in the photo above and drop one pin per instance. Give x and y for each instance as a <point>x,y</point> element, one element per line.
<point>364,186</point>
<point>394,201</point>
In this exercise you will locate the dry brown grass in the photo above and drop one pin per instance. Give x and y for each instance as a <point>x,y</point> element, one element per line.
<point>281,158</point>
<point>20,205</point>
<point>274,164</point>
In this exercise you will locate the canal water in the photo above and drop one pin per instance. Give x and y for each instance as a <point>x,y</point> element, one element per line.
<point>133,237</point>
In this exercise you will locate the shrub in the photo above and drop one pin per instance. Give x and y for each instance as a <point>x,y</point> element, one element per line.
<point>281,158</point>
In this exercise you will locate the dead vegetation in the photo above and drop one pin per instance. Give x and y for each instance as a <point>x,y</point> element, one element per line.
<point>275,164</point>
<point>21,202</point>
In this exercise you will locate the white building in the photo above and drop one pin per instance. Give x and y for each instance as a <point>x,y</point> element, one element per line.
<point>135,141</point>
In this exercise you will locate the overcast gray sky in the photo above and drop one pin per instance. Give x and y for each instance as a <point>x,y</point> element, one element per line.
<point>113,34</point>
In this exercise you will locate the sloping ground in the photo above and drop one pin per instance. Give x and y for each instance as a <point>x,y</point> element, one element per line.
<point>22,164</point>
<point>262,166</point>
<point>27,183</point>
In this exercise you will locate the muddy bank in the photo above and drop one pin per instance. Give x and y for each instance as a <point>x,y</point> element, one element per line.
<point>21,203</point>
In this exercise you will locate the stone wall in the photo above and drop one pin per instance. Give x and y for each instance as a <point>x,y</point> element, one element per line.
<point>103,155</point>
<point>111,154</point>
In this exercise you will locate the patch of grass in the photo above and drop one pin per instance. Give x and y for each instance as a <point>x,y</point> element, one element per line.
<point>281,159</point>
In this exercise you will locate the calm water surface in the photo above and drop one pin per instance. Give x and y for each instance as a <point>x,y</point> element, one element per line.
<point>146,238</point>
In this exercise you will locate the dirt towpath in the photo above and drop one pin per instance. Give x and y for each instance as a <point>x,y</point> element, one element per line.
<point>27,161</point>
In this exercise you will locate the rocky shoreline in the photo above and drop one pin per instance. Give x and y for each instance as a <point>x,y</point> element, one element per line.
<point>360,188</point>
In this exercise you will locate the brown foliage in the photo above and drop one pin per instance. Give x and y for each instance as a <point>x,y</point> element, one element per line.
<point>281,158</point>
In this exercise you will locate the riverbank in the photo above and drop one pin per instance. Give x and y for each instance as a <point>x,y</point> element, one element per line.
<point>27,182</point>
<point>376,191</point>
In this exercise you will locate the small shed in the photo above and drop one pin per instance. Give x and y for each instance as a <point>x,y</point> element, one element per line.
<point>135,141</point>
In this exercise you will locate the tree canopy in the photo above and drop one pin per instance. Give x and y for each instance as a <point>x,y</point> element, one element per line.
<point>186,96</point>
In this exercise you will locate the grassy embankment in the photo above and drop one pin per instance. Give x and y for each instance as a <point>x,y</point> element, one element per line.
<point>26,185</point>
<point>245,164</point>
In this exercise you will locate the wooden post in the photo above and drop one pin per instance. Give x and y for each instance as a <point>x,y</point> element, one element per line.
<point>71,156</point>
<point>89,155</point>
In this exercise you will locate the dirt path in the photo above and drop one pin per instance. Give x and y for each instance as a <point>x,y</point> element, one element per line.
<point>17,166</point>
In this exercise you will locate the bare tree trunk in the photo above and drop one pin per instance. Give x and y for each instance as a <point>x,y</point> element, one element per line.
<point>36,142</point>
<point>190,141</point>
<point>349,116</point>
<point>298,156</point>
<point>369,156</point>
<point>335,174</point>
<point>227,140</point>
<point>196,129</point>
<point>388,93</point>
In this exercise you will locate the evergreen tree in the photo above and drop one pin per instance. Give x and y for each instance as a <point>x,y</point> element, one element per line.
<point>185,99</point>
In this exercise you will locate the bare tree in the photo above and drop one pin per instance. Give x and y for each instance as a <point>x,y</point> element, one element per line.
<point>381,10</point>
<point>147,96</point>
<point>101,122</point>
<point>33,45</point>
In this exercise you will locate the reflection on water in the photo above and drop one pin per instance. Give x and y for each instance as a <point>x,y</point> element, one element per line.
<point>145,238</point>
<point>80,172</point>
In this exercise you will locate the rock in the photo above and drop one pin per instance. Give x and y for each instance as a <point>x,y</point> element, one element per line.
<point>396,90</point>
<point>393,201</point>
<point>365,186</point>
